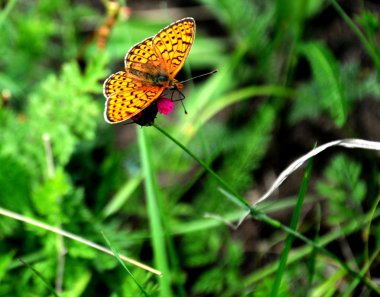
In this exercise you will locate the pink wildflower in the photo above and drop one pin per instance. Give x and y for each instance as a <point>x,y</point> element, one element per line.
<point>165,105</point>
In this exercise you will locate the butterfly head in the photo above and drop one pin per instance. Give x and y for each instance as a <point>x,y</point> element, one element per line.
<point>164,81</point>
<point>175,85</point>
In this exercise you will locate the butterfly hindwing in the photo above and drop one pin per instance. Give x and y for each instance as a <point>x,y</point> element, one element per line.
<point>127,102</point>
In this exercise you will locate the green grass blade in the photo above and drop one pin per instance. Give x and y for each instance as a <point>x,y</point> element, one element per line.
<point>157,232</point>
<point>368,261</point>
<point>5,262</point>
<point>313,255</point>
<point>121,196</point>
<point>239,95</point>
<point>116,253</point>
<point>367,230</point>
<point>363,271</point>
<point>40,276</point>
<point>206,167</point>
<point>294,222</point>
<point>367,45</point>
<point>4,13</point>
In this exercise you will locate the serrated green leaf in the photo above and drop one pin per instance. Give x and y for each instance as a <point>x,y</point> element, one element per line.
<point>327,77</point>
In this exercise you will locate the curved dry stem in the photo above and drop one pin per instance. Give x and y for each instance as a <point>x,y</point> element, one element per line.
<point>30,221</point>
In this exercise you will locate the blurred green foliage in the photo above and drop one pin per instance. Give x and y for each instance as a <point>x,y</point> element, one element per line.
<point>60,163</point>
<point>344,188</point>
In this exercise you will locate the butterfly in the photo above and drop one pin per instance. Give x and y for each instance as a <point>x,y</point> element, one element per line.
<point>150,69</point>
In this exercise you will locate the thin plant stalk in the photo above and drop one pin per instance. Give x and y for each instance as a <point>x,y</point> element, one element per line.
<point>10,214</point>
<point>40,276</point>
<point>116,253</point>
<point>157,230</point>
<point>268,220</point>
<point>60,244</point>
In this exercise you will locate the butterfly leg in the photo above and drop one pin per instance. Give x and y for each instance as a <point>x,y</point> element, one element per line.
<point>173,89</point>
<point>180,99</point>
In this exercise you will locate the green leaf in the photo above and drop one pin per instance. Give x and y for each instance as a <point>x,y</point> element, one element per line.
<point>48,196</point>
<point>343,188</point>
<point>327,77</point>
<point>5,260</point>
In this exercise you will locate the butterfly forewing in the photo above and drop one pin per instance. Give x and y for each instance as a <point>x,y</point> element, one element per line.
<point>142,61</point>
<point>173,44</point>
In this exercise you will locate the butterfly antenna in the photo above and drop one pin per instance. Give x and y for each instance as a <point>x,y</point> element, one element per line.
<point>183,96</point>
<point>208,73</point>
<point>183,105</point>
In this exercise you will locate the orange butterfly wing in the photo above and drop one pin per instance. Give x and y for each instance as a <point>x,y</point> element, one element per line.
<point>128,93</point>
<point>173,44</point>
<point>127,96</point>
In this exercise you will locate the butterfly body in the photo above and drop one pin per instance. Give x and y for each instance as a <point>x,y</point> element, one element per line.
<point>150,69</point>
